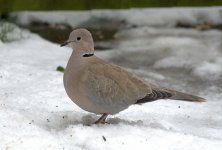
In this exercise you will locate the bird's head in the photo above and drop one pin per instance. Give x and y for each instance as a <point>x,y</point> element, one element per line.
<point>81,41</point>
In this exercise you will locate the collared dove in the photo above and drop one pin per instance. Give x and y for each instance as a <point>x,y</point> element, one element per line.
<point>103,88</point>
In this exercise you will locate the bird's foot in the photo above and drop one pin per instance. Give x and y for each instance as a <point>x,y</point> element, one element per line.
<point>102,119</point>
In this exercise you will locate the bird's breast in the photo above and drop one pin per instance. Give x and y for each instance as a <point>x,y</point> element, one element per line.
<point>76,90</point>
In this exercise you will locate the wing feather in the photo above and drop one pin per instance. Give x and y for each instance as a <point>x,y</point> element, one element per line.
<point>156,94</point>
<point>110,85</point>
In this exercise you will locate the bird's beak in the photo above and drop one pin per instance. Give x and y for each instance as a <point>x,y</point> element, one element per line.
<point>64,44</point>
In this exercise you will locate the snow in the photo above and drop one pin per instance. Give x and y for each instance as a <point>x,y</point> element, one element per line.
<point>199,51</point>
<point>37,114</point>
<point>212,69</point>
<point>158,17</point>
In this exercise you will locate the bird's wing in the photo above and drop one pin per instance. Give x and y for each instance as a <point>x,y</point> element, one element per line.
<point>157,93</point>
<point>108,84</point>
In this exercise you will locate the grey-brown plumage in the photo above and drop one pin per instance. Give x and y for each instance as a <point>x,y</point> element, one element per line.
<point>103,88</point>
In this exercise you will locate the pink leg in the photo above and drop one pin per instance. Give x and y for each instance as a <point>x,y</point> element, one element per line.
<point>102,119</point>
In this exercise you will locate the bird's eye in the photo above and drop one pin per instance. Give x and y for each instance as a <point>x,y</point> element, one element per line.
<point>78,38</point>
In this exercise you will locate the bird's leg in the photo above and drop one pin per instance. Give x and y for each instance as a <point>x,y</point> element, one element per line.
<point>102,119</point>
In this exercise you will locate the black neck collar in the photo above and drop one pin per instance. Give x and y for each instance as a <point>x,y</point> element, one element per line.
<point>87,55</point>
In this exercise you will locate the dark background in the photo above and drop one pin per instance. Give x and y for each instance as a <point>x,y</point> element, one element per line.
<point>16,5</point>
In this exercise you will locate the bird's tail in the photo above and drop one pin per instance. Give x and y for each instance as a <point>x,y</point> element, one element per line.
<point>187,97</point>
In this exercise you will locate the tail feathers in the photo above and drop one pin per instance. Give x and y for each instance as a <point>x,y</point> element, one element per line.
<point>187,97</point>
<point>164,93</point>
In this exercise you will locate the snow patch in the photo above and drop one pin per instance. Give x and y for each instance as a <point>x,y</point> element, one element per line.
<point>209,69</point>
<point>158,17</point>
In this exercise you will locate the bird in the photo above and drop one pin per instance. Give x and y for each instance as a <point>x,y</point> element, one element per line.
<point>103,88</point>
